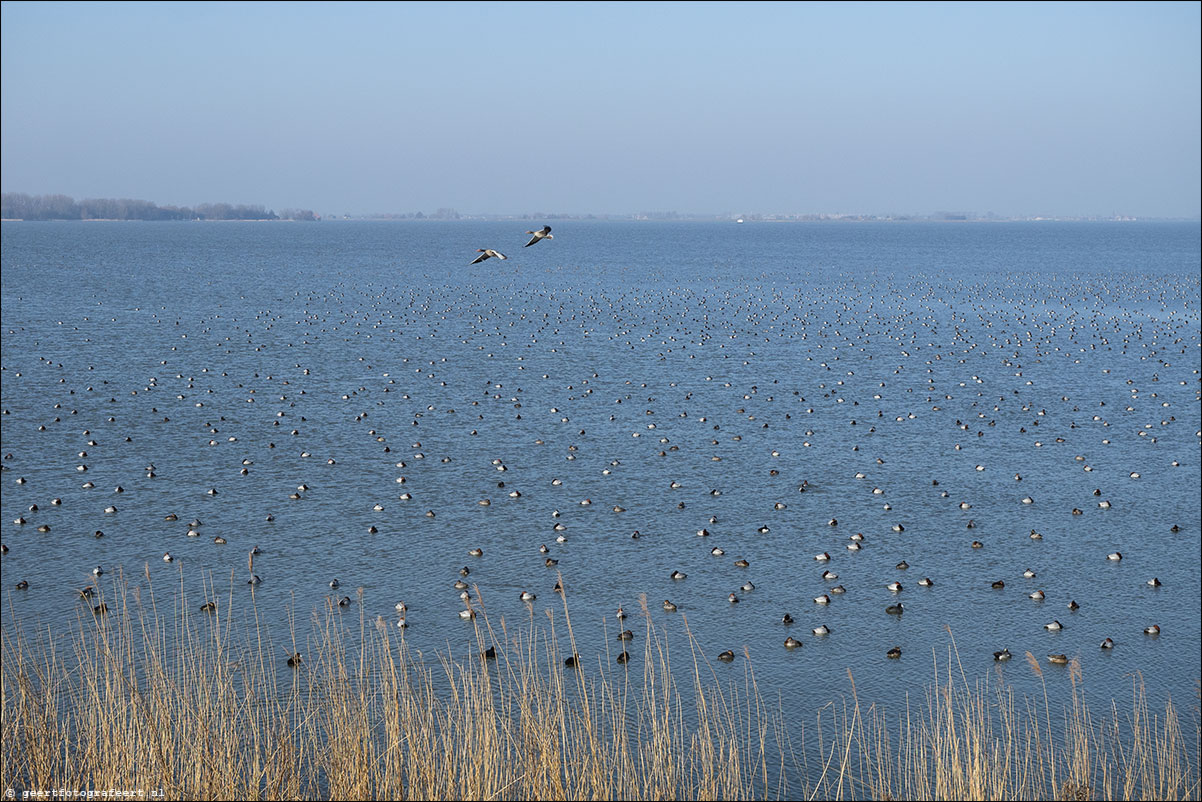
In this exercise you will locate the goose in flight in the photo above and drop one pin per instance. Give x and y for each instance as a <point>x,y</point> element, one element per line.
<point>488,253</point>
<point>538,235</point>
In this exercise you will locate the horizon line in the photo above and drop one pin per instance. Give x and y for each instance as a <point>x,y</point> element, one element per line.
<point>450,213</point>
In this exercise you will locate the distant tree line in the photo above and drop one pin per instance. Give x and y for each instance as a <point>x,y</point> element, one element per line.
<point>19,206</point>
<point>444,213</point>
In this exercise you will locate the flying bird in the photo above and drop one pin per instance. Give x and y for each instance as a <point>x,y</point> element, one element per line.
<point>488,253</point>
<point>538,235</point>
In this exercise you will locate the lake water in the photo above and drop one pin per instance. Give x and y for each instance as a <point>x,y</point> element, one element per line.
<point>694,376</point>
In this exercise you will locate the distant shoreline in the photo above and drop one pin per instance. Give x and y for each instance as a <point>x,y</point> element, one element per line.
<point>620,219</point>
<point>120,220</point>
<point>21,206</point>
<point>723,221</point>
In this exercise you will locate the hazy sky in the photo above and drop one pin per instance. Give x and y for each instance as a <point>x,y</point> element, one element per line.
<point>1043,108</point>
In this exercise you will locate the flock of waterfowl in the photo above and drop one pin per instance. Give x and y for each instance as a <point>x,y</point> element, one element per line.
<point>782,403</point>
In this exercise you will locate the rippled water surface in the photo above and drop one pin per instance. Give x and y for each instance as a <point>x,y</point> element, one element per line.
<point>780,387</point>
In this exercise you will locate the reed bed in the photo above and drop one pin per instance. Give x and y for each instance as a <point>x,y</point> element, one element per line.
<point>201,706</point>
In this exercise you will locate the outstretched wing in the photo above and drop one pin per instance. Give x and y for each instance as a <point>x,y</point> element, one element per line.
<point>480,258</point>
<point>545,232</point>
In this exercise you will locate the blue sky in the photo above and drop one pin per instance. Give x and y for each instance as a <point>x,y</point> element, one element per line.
<point>1044,108</point>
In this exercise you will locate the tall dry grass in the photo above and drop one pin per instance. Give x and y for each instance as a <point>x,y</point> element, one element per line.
<point>201,706</point>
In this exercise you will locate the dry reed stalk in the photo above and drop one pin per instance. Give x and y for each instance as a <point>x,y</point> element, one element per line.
<point>199,705</point>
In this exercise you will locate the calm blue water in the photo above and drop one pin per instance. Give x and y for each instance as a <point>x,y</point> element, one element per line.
<point>737,361</point>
